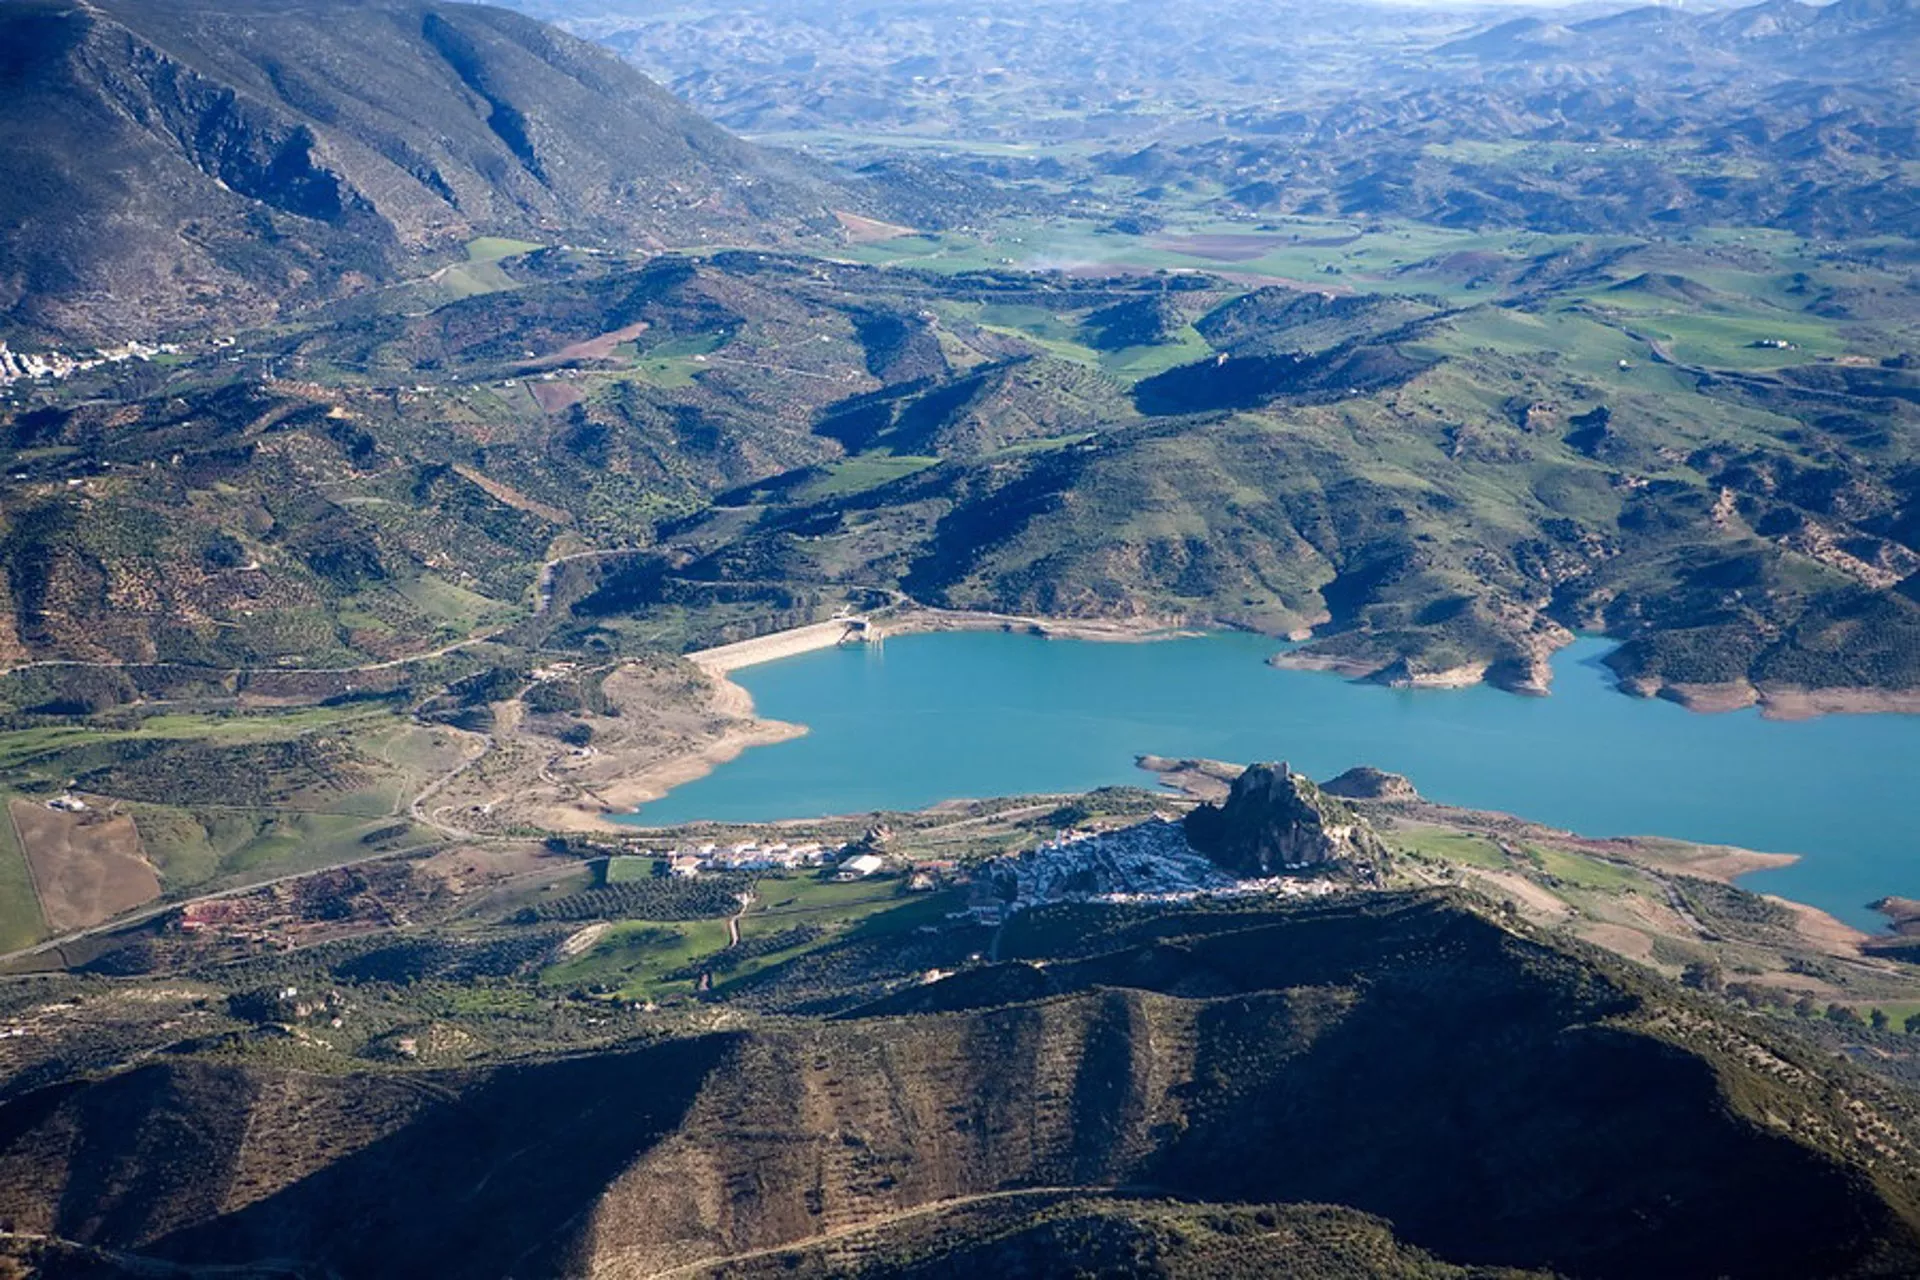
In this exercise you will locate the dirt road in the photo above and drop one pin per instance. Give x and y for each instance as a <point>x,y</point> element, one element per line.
<point>887,1220</point>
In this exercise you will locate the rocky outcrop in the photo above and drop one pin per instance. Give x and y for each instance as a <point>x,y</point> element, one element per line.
<point>1276,820</point>
<point>1364,782</point>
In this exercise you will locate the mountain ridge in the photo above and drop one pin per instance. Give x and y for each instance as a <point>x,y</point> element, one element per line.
<point>268,154</point>
<point>1254,1056</point>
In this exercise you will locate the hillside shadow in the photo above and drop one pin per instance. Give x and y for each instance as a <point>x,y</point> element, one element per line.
<point>500,1179</point>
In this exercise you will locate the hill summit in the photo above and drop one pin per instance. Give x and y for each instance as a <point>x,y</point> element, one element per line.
<point>1276,820</point>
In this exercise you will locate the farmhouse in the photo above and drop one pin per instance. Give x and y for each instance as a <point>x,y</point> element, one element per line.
<point>862,866</point>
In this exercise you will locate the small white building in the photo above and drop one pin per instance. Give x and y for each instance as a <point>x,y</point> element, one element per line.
<point>864,865</point>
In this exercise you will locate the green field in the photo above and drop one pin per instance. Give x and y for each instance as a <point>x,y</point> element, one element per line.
<point>197,847</point>
<point>41,751</point>
<point>1063,336</point>
<point>20,922</point>
<point>633,955</point>
<point>621,869</point>
<point>791,900</point>
<point>1448,846</point>
<point>455,608</point>
<point>1729,341</point>
<point>224,798</point>
<point>860,473</point>
<point>494,248</point>
<point>1330,253</point>
<point>671,364</point>
<point>1897,1011</point>
<point>1130,364</point>
<point>1587,873</point>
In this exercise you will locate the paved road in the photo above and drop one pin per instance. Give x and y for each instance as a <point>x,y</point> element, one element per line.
<point>387,665</point>
<point>416,810</point>
<point>161,908</point>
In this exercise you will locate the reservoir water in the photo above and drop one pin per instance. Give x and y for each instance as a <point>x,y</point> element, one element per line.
<point>974,713</point>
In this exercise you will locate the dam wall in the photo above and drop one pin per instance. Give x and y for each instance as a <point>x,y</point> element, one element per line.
<point>779,644</point>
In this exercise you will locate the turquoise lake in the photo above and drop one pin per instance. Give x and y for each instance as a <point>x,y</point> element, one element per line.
<point>926,718</point>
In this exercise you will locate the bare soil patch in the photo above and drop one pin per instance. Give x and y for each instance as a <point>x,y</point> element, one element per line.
<point>88,867</point>
<point>1533,900</point>
<point>862,230</point>
<point>1619,939</point>
<point>1784,702</point>
<point>675,723</point>
<point>511,496</point>
<point>1822,931</point>
<point>600,348</point>
<point>1797,982</point>
<point>1196,779</point>
<point>556,397</point>
<point>1222,248</point>
<point>1659,917</point>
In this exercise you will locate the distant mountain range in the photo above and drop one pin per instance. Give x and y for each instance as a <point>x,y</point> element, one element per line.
<point>169,162</point>
<point>1779,114</point>
<point>1848,40</point>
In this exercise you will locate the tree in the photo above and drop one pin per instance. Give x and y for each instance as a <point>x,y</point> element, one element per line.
<point>1879,1019</point>
<point>1842,1015</point>
<point>1703,975</point>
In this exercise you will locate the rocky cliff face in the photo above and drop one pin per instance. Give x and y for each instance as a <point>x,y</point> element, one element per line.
<point>1276,820</point>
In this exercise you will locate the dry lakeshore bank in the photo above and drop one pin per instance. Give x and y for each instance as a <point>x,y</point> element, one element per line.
<point>676,720</point>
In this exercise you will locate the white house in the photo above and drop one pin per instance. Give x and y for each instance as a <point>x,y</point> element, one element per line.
<point>864,865</point>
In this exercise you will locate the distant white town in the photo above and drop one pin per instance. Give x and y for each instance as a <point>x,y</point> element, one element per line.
<point>1148,862</point>
<point>35,366</point>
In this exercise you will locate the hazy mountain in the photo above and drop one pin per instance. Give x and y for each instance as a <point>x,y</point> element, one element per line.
<point>1777,114</point>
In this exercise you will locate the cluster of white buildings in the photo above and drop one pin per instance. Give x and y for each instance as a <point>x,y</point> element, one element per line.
<point>749,855</point>
<point>1269,886</point>
<point>1148,862</point>
<point>31,366</point>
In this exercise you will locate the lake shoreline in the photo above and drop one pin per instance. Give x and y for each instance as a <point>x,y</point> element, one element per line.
<point>978,712</point>
<point>653,781</point>
<point>1774,701</point>
<point>731,701</point>
<point>1778,701</point>
<point>1533,680</point>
